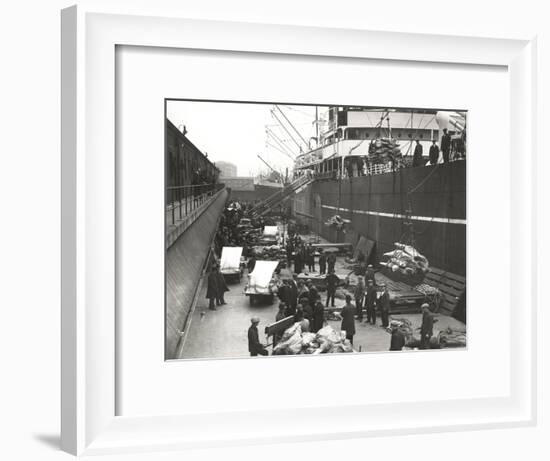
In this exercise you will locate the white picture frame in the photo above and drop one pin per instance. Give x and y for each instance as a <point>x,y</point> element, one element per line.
<point>89,423</point>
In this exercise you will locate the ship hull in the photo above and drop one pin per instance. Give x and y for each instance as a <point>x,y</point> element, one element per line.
<point>378,207</point>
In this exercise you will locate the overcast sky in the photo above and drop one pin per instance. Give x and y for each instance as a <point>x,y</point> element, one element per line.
<point>236,132</point>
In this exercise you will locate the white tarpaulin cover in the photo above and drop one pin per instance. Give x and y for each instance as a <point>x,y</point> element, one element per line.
<point>270,230</point>
<point>231,259</point>
<point>261,275</point>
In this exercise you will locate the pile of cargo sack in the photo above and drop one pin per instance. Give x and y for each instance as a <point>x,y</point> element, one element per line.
<point>406,260</point>
<point>326,341</point>
<point>384,150</point>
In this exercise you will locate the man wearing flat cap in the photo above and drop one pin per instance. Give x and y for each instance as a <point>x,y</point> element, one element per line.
<point>254,346</point>
<point>383,303</point>
<point>427,328</point>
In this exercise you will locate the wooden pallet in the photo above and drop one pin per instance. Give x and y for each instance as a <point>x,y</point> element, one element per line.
<point>451,286</point>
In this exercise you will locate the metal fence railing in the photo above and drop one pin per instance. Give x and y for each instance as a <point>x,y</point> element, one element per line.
<point>182,200</point>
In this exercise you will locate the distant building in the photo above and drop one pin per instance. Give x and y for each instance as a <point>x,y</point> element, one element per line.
<point>227,169</point>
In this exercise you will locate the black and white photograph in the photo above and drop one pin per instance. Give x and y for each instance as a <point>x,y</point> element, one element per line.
<point>296,229</point>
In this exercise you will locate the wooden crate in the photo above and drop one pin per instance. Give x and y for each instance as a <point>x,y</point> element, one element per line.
<point>451,286</point>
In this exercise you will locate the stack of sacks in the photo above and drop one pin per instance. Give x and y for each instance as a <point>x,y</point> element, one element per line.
<point>383,150</point>
<point>406,260</point>
<point>326,341</point>
<point>452,337</point>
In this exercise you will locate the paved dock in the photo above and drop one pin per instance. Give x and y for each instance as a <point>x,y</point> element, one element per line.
<point>223,333</point>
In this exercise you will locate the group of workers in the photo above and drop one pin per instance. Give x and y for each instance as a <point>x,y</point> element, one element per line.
<point>455,148</point>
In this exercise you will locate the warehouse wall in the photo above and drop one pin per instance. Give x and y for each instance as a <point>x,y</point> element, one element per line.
<point>184,262</point>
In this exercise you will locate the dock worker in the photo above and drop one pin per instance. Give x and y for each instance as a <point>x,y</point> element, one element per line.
<point>251,263</point>
<point>293,292</point>
<point>284,292</point>
<point>370,302</point>
<point>417,156</point>
<point>331,261</point>
<point>212,288</point>
<point>427,327</point>
<point>318,317</point>
<point>369,274</point>
<point>221,287</point>
<point>322,263</point>
<point>280,316</point>
<point>254,346</point>
<point>348,319</point>
<point>310,258</point>
<point>331,281</point>
<point>434,153</point>
<point>445,145</point>
<point>359,294</point>
<point>397,341</point>
<point>383,303</point>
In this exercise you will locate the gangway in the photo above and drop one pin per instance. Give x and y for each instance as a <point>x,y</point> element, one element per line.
<point>276,198</point>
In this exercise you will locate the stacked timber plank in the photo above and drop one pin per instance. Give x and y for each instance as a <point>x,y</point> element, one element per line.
<point>451,286</point>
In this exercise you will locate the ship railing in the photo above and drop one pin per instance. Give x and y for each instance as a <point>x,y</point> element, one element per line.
<point>182,200</point>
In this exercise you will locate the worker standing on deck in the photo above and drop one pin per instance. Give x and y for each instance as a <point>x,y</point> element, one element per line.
<point>331,261</point>
<point>318,317</point>
<point>417,156</point>
<point>348,319</point>
<point>445,145</point>
<point>427,328</point>
<point>384,306</point>
<point>370,302</point>
<point>434,153</point>
<point>322,263</point>
<point>331,281</point>
<point>293,292</point>
<point>280,316</point>
<point>212,288</point>
<point>221,287</point>
<point>254,345</point>
<point>397,341</point>
<point>369,275</point>
<point>310,258</point>
<point>298,260</point>
<point>359,294</point>
<point>251,263</point>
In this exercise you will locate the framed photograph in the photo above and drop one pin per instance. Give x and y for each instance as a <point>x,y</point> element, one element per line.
<point>335,225</point>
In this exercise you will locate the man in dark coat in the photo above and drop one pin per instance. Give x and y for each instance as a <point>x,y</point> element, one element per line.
<point>397,339</point>
<point>348,319</point>
<point>313,296</point>
<point>298,261</point>
<point>212,289</point>
<point>331,281</point>
<point>293,292</point>
<point>322,263</point>
<point>383,303</point>
<point>331,261</point>
<point>427,328</point>
<point>254,345</point>
<point>370,302</point>
<point>318,317</point>
<point>417,156</point>
<point>221,287</point>
<point>359,294</point>
<point>251,264</point>
<point>284,292</point>
<point>310,258</point>
<point>434,153</point>
<point>445,145</point>
<point>369,274</point>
